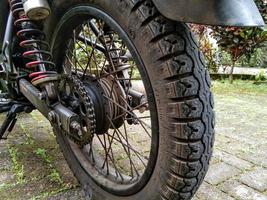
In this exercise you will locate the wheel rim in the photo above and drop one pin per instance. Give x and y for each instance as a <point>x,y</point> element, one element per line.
<point>120,160</point>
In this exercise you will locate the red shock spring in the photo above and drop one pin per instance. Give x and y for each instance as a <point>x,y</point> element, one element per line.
<point>36,48</point>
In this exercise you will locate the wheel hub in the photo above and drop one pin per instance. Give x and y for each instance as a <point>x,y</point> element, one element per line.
<point>108,97</point>
<point>73,94</point>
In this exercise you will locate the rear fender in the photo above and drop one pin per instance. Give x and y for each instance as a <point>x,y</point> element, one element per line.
<point>212,12</point>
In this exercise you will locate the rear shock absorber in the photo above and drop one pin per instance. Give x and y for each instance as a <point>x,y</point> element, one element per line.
<point>37,50</point>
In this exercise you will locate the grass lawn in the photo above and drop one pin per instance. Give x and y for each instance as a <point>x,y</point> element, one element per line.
<point>238,87</point>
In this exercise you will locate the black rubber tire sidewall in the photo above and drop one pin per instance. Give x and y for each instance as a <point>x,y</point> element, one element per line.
<point>150,52</point>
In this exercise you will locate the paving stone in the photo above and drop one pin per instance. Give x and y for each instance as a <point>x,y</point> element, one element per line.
<point>234,147</point>
<point>6,177</point>
<point>222,141</point>
<point>29,189</point>
<point>240,144</point>
<point>256,179</point>
<point>220,172</point>
<point>214,159</point>
<point>259,159</point>
<point>244,132</point>
<point>75,194</point>
<point>209,192</point>
<point>241,191</point>
<point>233,160</point>
<point>2,145</point>
<point>5,161</point>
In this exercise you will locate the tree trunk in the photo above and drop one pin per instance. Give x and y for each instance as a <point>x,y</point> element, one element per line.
<point>231,75</point>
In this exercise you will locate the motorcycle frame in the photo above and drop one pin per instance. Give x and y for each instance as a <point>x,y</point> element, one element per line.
<point>6,53</point>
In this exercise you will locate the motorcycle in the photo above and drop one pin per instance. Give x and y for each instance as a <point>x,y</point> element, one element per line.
<point>122,83</point>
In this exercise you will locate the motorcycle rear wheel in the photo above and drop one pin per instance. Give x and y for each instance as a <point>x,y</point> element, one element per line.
<point>178,86</point>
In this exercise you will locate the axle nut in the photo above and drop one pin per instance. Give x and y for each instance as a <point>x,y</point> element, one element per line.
<point>52,116</point>
<point>75,126</point>
<point>42,96</point>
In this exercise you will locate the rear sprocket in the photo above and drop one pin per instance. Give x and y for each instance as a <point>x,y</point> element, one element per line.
<point>74,95</point>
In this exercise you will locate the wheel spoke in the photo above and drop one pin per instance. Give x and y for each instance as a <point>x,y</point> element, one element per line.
<point>111,159</point>
<point>109,149</point>
<point>100,58</point>
<point>125,145</point>
<point>135,108</point>
<point>143,124</point>
<point>99,47</point>
<point>129,150</point>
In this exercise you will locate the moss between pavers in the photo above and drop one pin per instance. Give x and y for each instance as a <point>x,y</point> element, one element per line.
<point>33,151</point>
<point>30,190</point>
<point>46,173</point>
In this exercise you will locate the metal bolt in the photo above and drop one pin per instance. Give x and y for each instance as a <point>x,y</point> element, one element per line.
<point>42,96</point>
<point>52,116</point>
<point>76,127</point>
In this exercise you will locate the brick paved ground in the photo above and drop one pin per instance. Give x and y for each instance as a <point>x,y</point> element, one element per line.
<point>239,166</point>
<point>37,170</point>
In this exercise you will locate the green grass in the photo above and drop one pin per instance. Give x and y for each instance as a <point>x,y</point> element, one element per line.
<point>42,153</point>
<point>239,87</point>
<point>54,174</point>
<point>18,168</point>
<point>44,195</point>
